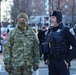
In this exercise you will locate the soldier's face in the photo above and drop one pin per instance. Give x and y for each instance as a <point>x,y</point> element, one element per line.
<point>53,21</point>
<point>22,22</point>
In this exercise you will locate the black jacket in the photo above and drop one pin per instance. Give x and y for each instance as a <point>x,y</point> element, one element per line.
<point>41,36</point>
<point>71,40</point>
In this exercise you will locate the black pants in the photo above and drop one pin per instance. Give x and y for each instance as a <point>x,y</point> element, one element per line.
<point>58,68</point>
<point>41,51</point>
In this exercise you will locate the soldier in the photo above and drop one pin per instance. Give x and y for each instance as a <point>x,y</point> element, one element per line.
<point>21,53</point>
<point>57,46</point>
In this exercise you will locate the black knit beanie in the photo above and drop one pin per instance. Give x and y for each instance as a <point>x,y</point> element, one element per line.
<point>58,14</point>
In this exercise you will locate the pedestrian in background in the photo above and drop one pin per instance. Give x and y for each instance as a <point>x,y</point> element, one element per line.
<point>3,36</point>
<point>21,53</point>
<point>57,46</point>
<point>41,37</point>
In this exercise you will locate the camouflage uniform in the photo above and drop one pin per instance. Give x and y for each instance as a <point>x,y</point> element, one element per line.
<point>21,52</point>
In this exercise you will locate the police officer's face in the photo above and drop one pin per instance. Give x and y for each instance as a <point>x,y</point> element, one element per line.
<point>53,21</point>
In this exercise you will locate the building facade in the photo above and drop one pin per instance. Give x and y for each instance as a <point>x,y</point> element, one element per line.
<point>67,7</point>
<point>39,7</point>
<point>40,12</point>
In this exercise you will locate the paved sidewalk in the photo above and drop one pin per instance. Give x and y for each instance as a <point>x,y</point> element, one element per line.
<point>73,64</point>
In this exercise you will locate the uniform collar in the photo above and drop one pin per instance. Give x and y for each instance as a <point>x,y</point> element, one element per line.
<point>58,27</point>
<point>22,32</point>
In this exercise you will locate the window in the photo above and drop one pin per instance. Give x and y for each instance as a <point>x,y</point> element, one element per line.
<point>33,10</point>
<point>75,10</point>
<point>66,6</point>
<point>66,0</point>
<point>75,2</point>
<point>67,13</point>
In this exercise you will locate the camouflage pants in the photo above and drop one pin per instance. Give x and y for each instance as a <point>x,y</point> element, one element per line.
<point>21,71</point>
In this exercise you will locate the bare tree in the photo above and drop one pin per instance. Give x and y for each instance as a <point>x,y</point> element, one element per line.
<point>51,5</point>
<point>20,6</point>
<point>71,8</point>
<point>56,6</point>
<point>73,13</point>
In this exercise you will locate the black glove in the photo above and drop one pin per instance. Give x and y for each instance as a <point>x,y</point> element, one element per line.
<point>35,67</point>
<point>8,68</point>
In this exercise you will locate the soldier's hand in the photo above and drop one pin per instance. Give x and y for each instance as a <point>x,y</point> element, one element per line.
<point>35,67</point>
<point>7,68</point>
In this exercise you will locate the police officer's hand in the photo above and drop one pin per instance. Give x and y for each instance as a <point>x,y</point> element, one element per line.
<point>47,62</point>
<point>35,67</point>
<point>66,64</point>
<point>7,68</point>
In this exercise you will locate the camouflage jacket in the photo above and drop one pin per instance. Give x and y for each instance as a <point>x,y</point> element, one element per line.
<point>22,48</point>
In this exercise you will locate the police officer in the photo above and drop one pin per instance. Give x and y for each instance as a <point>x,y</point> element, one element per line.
<point>21,53</point>
<point>59,55</point>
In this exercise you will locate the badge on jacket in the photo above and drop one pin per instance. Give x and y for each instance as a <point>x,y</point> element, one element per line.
<point>59,30</point>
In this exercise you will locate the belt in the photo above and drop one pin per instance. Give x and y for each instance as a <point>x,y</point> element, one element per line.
<point>57,56</point>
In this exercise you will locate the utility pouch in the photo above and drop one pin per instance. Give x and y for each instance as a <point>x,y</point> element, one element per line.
<point>45,47</point>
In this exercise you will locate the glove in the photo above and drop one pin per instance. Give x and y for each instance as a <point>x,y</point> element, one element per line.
<point>35,67</point>
<point>8,68</point>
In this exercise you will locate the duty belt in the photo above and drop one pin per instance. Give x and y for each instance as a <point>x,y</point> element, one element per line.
<point>57,56</point>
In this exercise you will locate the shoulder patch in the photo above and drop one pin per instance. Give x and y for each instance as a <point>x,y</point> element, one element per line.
<point>59,30</point>
<point>72,31</point>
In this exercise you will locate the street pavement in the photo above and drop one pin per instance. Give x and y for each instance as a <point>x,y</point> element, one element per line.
<point>43,70</point>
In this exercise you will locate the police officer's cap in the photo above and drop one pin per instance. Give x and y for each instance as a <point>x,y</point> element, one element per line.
<point>58,14</point>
